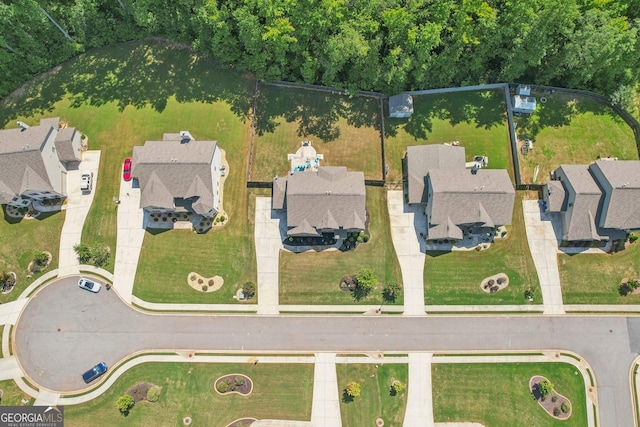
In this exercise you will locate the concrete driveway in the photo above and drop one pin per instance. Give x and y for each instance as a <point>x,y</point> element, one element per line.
<point>77,208</point>
<point>64,330</point>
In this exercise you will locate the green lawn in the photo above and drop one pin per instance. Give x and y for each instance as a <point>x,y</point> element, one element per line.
<point>18,241</point>
<point>123,95</point>
<point>594,278</point>
<point>477,119</point>
<point>572,129</point>
<point>346,131</point>
<point>280,392</point>
<point>498,395</point>
<point>313,277</point>
<point>375,400</point>
<point>12,395</point>
<point>455,277</point>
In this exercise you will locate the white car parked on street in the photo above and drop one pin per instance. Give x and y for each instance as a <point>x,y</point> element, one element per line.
<point>89,285</point>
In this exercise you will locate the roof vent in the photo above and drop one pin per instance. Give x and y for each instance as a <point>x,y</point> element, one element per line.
<point>23,125</point>
<point>328,192</point>
<point>624,184</point>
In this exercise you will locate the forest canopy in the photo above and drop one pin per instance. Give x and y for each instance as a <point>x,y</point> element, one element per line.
<point>381,45</point>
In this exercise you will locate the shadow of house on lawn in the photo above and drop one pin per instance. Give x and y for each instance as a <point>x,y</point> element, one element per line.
<point>139,74</point>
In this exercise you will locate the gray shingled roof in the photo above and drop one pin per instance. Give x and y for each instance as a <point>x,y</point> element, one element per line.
<point>446,230</point>
<point>554,195</point>
<point>21,165</point>
<point>64,145</point>
<point>422,158</point>
<point>485,197</point>
<point>623,179</point>
<point>327,199</point>
<point>579,222</point>
<point>170,169</point>
<point>278,192</point>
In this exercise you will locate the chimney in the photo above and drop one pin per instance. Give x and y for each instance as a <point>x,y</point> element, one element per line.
<point>23,125</point>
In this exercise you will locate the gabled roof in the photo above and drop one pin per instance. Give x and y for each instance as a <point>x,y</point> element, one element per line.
<point>579,220</point>
<point>422,158</point>
<point>622,177</point>
<point>278,192</point>
<point>172,169</point>
<point>554,194</point>
<point>64,145</point>
<point>462,197</point>
<point>21,164</point>
<point>330,198</point>
<point>446,230</point>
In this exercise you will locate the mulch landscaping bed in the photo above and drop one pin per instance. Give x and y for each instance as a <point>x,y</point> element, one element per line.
<point>548,404</point>
<point>243,389</point>
<point>139,391</point>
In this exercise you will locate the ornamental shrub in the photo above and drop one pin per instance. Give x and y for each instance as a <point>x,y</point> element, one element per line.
<point>153,394</point>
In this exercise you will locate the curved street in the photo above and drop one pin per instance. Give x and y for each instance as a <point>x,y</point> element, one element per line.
<point>64,331</point>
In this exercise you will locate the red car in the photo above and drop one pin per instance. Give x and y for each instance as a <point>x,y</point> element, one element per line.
<point>126,169</point>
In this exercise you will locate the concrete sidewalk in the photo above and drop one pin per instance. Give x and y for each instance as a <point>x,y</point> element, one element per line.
<point>325,411</point>
<point>405,223</point>
<point>268,242</point>
<point>131,230</point>
<point>419,398</point>
<point>77,208</point>
<point>543,246</point>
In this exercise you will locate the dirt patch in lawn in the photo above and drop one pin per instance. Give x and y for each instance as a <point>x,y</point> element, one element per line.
<point>553,403</point>
<point>204,284</point>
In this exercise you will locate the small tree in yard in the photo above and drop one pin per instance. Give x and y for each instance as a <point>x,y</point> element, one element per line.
<point>546,388</point>
<point>391,291</point>
<point>40,257</point>
<point>125,403</point>
<point>100,255</point>
<point>83,252</point>
<point>397,387</point>
<point>365,281</point>
<point>352,389</point>
<point>249,290</point>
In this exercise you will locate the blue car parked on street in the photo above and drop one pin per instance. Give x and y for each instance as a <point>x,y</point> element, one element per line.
<point>94,372</point>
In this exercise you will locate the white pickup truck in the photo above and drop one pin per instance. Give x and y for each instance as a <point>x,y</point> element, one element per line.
<point>86,182</point>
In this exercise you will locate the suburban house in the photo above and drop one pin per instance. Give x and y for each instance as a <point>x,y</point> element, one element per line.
<point>178,174</point>
<point>34,161</point>
<point>401,105</point>
<point>457,200</point>
<point>330,200</point>
<point>600,201</point>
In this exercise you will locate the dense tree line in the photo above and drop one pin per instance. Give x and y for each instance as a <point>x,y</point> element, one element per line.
<point>382,45</point>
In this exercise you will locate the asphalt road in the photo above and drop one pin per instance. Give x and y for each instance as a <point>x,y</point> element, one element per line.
<point>65,330</point>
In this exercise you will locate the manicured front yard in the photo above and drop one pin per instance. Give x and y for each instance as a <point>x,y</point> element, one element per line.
<point>12,395</point>
<point>124,95</point>
<point>280,392</point>
<point>571,129</point>
<point>594,278</point>
<point>376,399</point>
<point>455,277</point>
<point>477,119</point>
<point>313,277</point>
<point>499,395</point>
<point>19,239</point>
<point>346,131</point>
